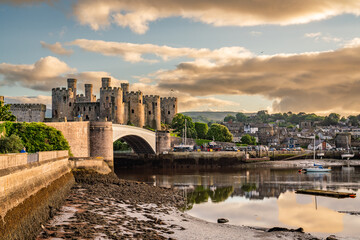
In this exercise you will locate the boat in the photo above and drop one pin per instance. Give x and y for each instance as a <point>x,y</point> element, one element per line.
<point>324,193</point>
<point>316,167</point>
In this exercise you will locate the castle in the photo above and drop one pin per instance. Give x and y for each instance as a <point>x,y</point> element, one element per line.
<point>116,104</point>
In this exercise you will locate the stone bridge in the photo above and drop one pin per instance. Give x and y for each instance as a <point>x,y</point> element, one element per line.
<point>95,139</point>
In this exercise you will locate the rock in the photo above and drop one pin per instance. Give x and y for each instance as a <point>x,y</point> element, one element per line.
<point>281,229</point>
<point>222,220</point>
<point>331,237</point>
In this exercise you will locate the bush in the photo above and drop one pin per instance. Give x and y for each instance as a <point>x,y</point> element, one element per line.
<point>201,130</point>
<point>12,144</point>
<point>120,145</point>
<point>37,137</point>
<point>220,133</point>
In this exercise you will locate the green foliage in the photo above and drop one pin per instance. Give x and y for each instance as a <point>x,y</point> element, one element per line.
<point>201,130</point>
<point>130,123</point>
<point>353,120</point>
<point>149,128</point>
<point>120,145</point>
<point>332,119</point>
<point>229,118</point>
<point>12,144</point>
<point>249,140</point>
<point>240,117</point>
<point>248,187</point>
<point>5,114</point>
<point>202,141</point>
<point>37,137</point>
<point>178,124</point>
<point>219,133</point>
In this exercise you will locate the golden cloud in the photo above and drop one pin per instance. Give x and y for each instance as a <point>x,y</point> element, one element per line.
<point>56,48</point>
<point>138,14</point>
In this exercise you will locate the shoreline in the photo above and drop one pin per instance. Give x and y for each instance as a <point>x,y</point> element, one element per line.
<point>106,207</point>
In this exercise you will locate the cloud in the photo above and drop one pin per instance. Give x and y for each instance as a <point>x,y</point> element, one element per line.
<point>138,14</point>
<point>134,52</point>
<point>56,48</point>
<point>24,99</point>
<point>315,81</point>
<point>48,73</point>
<point>185,101</point>
<point>313,35</point>
<point>38,76</point>
<point>319,36</point>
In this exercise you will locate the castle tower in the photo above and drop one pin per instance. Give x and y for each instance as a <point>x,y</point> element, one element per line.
<point>89,93</point>
<point>72,85</point>
<point>63,101</point>
<point>168,109</point>
<point>105,82</point>
<point>152,111</point>
<point>135,109</point>
<point>111,102</point>
<point>125,88</point>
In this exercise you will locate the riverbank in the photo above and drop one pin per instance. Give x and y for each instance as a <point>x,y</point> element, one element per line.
<point>106,207</point>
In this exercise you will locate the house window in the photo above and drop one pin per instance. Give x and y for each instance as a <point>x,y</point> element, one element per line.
<point>149,112</point>
<point>132,111</point>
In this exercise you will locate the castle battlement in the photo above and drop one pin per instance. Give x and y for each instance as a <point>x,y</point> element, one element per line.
<point>168,99</point>
<point>151,98</point>
<point>110,89</point>
<point>28,107</point>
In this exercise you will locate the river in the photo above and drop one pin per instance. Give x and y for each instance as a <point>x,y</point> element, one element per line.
<point>264,197</point>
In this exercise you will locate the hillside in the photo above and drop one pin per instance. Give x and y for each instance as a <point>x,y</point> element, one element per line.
<point>208,116</point>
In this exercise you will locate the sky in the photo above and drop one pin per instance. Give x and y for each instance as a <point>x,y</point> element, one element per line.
<point>248,55</point>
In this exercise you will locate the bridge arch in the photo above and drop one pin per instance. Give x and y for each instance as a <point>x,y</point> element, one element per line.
<point>140,140</point>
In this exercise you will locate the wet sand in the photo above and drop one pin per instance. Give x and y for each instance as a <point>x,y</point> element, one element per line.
<point>105,207</point>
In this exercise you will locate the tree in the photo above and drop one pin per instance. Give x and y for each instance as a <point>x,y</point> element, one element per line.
<point>201,130</point>
<point>353,120</point>
<point>332,119</point>
<point>5,114</point>
<point>178,124</point>
<point>121,145</point>
<point>249,140</point>
<point>12,144</point>
<point>240,117</point>
<point>229,118</point>
<point>220,133</point>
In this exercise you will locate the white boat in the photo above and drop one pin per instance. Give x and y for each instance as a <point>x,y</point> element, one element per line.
<point>317,167</point>
<point>347,155</point>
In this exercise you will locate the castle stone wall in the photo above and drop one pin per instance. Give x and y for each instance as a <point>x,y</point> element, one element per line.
<point>88,111</point>
<point>134,103</point>
<point>28,112</point>
<point>168,109</point>
<point>152,111</point>
<point>77,134</point>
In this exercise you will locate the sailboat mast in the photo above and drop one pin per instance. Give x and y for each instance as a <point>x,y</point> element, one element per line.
<point>314,145</point>
<point>185,132</point>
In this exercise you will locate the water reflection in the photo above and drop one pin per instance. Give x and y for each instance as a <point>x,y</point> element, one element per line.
<point>265,197</point>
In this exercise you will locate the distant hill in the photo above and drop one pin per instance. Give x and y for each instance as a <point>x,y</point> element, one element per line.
<point>208,116</point>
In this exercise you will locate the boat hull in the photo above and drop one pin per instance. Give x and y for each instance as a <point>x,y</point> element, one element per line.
<point>317,169</point>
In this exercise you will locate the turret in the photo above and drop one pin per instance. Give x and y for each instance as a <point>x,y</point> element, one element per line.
<point>105,82</point>
<point>111,104</point>
<point>72,85</point>
<point>152,111</point>
<point>125,88</point>
<point>135,108</point>
<point>168,109</point>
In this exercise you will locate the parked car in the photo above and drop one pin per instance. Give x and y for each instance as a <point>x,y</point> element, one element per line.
<point>233,149</point>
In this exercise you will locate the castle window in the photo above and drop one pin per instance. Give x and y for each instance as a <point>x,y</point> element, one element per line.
<point>139,101</point>
<point>115,107</point>
<point>149,112</point>
<point>64,98</point>
<point>69,104</point>
<point>132,111</point>
<point>55,113</point>
<point>155,104</point>
<point>95,108</point>
<point>87,117</point>
<point>78,109</point>
<point>174,106</point>
<point>168,112</point>
<point>107,98</point>
<point>84,109</point>
<point>89,109</point>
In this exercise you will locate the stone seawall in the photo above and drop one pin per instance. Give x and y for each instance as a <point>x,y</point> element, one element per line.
<point>30,189</point>
<point>184,160</point>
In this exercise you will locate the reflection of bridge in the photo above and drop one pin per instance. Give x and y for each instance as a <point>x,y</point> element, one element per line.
<point>95,139</point>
